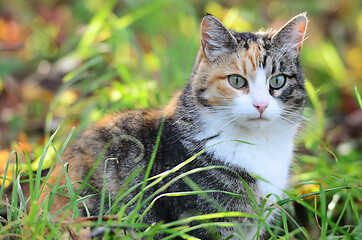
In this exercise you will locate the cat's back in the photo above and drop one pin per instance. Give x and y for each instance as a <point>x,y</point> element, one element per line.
<point>125,136</point>
<point>119,143</point>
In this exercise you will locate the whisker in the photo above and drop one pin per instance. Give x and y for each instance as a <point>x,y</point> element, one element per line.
<point>299,43</point>
<point>303,126</point>
<point>232,120</point>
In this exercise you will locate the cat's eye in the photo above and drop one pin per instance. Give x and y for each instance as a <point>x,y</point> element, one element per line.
<point>277,82</point>
<point>237,81</point>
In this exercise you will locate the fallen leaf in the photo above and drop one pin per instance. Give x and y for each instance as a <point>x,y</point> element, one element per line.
<point>4,158</point>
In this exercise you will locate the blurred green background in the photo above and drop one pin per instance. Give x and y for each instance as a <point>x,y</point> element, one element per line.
<point>68,63</point>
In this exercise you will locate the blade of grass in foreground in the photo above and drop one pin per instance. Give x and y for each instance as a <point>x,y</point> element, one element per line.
<point>103,193</point>
<point>20,194</point>
<point>2,188</point>
<point>212,216</point>
<point>358,97</point>
<point>163,175</point>
<point>149,167</point>
<point>56,159</point>
<point>314,210</point>
<point>68,183</point>
<point>40,165</point>
<point>181,194</point>
<point>14,210</point>
<point>165,186</point>
<point>353,206</point>
<point>324,224</point>
<point>77,201</point>
<point>30,175</point>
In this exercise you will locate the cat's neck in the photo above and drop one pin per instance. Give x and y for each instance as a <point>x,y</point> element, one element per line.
<point>269,154</point>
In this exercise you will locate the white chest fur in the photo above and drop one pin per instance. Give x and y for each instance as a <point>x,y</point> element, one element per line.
<point>269,157</point>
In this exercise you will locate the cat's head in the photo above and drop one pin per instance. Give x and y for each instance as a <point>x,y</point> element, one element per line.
<point>250,79</point>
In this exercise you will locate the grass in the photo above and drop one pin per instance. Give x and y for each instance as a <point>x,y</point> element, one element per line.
<point>130,57</point>
<point>29,224</point>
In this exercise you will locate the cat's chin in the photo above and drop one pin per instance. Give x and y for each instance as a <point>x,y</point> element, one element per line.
<point>255,123</point>
<point>258,119</point>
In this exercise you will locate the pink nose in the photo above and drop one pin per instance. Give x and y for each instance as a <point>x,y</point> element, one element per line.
<point>261,106</point>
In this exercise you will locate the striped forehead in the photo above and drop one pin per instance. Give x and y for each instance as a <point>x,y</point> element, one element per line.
<point>249,59</point>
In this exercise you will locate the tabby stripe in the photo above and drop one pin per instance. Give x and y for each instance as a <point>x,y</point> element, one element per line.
<point>203,101</point>
<point>273,68</point>
<point>281,66</point>
<point>263,61</point>
<point>244,67</point>
<point>252,62</point>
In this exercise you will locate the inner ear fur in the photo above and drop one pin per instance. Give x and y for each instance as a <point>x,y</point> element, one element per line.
<point>215,37</point>
<point>292,34</point>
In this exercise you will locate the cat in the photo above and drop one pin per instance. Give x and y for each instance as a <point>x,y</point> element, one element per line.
<point>240,110</point>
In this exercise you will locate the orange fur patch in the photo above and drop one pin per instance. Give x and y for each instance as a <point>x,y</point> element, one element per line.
<point>221,93</point>
<point>171,107</point>
<point>104,120</point>
<point>252,62</point>
<point>235,66</point>
<point>153,115</point>
<point>214,80</point>
<point>244,67</point>
<point>226,91</point>
<point>302,31</point>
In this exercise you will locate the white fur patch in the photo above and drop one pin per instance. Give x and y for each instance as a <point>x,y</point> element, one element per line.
<point>269,158</point>
<point>271,155</point>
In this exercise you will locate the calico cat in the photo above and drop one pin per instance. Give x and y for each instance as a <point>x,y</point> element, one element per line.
<point>243,104</point>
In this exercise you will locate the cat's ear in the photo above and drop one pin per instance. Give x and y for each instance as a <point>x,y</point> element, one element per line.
<point>291,35</point>
<point>215,37</point>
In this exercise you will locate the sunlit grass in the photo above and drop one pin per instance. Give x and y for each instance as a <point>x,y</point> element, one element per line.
<point>21,221</point>
<point>358,96</point>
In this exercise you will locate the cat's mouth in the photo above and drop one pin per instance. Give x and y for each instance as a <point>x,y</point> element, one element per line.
<point>258,119</point>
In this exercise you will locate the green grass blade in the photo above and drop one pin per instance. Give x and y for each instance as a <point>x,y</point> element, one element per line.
<point>55,161</point>
<point>98,160</point>
<point>40,165</point>
<point>13,213</point>
<point>287,200</point>
<point>149,167</point>
<point>315,211</point>
<point>190,193</point>
<point>211,216</point>
<point>54,191</point>
<point>95,26</point>
<point>20,194</point>
<point>163,175</point>
<point>316,134</point>
<point>30,175</point>
<point>195,187</point>
<point>69,185</point>
<point>2,188</point>
<point>78,200</point>
<point>358,96</point>
<point>354,208</point>
<point>182,231</point>
<point>285,225</point>
<point>324,224</point>
<point>340,216</point>
<point>126,20</point>
<point>120,195</point>
<point>103,193</point>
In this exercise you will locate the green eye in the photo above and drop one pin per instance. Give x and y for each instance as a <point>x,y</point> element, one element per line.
<point>277,82</point>
<point>237,81</point>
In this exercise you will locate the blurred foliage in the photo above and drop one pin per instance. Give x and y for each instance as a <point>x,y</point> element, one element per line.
<point>69,63</point>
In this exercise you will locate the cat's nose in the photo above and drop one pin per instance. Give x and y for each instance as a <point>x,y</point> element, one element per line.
<point>261,106</point>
